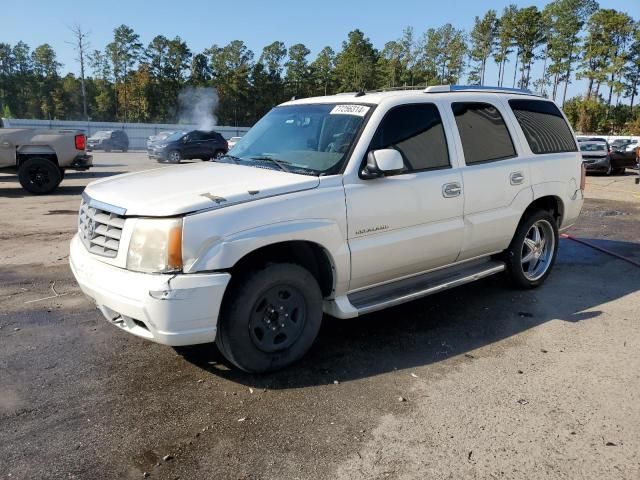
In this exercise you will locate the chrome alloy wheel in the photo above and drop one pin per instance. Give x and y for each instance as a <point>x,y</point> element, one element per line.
<point>537,250</point>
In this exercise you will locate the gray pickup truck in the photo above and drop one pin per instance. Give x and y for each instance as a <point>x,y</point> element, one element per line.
<point>40,157</point>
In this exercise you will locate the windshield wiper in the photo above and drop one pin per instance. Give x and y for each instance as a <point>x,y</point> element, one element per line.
<point>280,163</point>
<point>230,157</point>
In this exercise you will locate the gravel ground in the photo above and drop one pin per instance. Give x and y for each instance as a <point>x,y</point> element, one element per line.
<point>478,382</point>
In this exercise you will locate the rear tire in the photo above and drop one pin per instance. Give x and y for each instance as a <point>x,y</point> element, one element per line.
<point>39,175</point>
<point>270,318</point>
<point>533,250</point>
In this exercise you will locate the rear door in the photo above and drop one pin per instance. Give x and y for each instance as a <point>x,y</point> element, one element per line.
<point>496,179</point>
<point>411,222</point>
<point>210,143</point>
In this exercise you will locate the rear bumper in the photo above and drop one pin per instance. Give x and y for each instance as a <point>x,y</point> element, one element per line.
<point>169,309</point>
<point>81,162</point>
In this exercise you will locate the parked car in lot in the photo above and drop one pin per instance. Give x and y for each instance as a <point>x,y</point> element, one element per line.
<point>41,157</point>
<point>201,144</point>
<point>108,140</point>
<point>591,139</point>
<point>343,204</point>
<point>623,159</point>
<point>597,157</point>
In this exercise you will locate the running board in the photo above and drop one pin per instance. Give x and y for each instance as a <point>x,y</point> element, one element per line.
<point>395,293</point>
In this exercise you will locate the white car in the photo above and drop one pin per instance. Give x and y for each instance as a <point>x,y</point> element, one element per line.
<point>341,205</point>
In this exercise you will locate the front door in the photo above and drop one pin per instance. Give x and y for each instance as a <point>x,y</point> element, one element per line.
<point>410,222</point>
<point>193,148</point>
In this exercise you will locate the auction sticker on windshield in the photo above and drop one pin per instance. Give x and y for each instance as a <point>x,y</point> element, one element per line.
<point>359,110</point>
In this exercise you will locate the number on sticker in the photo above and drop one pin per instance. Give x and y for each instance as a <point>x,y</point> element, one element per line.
<point>359,110</point>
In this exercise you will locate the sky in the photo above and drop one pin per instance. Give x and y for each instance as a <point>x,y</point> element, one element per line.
<point>204,23</point>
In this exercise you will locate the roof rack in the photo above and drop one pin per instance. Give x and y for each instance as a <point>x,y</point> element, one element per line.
<point>396,89</point>
<point>476,88</point>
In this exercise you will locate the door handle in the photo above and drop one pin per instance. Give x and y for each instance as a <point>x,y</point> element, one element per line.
<point>517,178</point>
<point>450,190</point>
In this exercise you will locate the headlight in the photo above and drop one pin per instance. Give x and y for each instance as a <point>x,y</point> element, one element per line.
<point>156,245</point>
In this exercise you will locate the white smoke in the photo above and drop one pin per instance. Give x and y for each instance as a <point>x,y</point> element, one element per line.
<point>197,105</point>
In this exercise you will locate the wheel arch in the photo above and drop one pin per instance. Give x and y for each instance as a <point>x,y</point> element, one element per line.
<point>310,255</point>
<point>36,151</point>
<point>550,203</point>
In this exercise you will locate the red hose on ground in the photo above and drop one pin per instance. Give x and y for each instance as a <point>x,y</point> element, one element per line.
<point>604,250</point>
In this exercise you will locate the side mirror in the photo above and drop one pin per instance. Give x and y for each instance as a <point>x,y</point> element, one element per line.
<point>381,163</point>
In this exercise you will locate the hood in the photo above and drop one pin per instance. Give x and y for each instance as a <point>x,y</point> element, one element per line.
<point>602,154</point>
<point>180,189</point>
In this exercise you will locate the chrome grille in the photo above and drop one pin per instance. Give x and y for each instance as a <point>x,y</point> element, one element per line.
<point>100,230</point>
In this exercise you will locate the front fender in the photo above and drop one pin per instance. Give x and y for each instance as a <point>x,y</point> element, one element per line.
<point>222,253</point>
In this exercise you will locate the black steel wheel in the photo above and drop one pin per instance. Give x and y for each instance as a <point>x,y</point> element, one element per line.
<point>39,175</point>
<point>277,319</point>
<point>270,317</point>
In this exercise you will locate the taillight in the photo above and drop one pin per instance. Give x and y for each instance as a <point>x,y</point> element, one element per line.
<point>81,142</point>
<point>583,177</point>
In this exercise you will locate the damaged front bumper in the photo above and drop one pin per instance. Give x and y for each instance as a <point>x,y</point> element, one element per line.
<point>172,309</point>
<point>81,162</point>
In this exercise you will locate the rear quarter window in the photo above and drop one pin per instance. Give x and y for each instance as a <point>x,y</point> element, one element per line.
<point>544,127</point>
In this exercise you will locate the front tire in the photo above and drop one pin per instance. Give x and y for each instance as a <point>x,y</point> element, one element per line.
<point>533,250</point>
<point>270,318</point>
<point>174,156</point>
<point>39,175</point>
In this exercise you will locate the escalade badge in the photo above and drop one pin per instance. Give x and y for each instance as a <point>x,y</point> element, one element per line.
<point>372,229</point>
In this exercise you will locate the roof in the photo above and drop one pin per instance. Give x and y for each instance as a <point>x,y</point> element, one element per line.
<point>436,91</point>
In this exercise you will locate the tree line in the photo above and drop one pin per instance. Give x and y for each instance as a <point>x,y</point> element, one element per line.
<point>130,82</point>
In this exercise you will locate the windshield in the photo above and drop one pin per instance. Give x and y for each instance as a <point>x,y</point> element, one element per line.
<point>102,134</point>
<point>175,136</point>
<point>313,137</point>
<point>593,147</point>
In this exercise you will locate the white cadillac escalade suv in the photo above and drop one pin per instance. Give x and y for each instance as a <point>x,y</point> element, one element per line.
<point>343,204</point>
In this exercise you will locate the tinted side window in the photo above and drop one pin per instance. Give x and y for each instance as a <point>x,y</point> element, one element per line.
<point>416,132</point>
<point>209,136</point>
<point>543,126</point>
<point>483,133</point>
